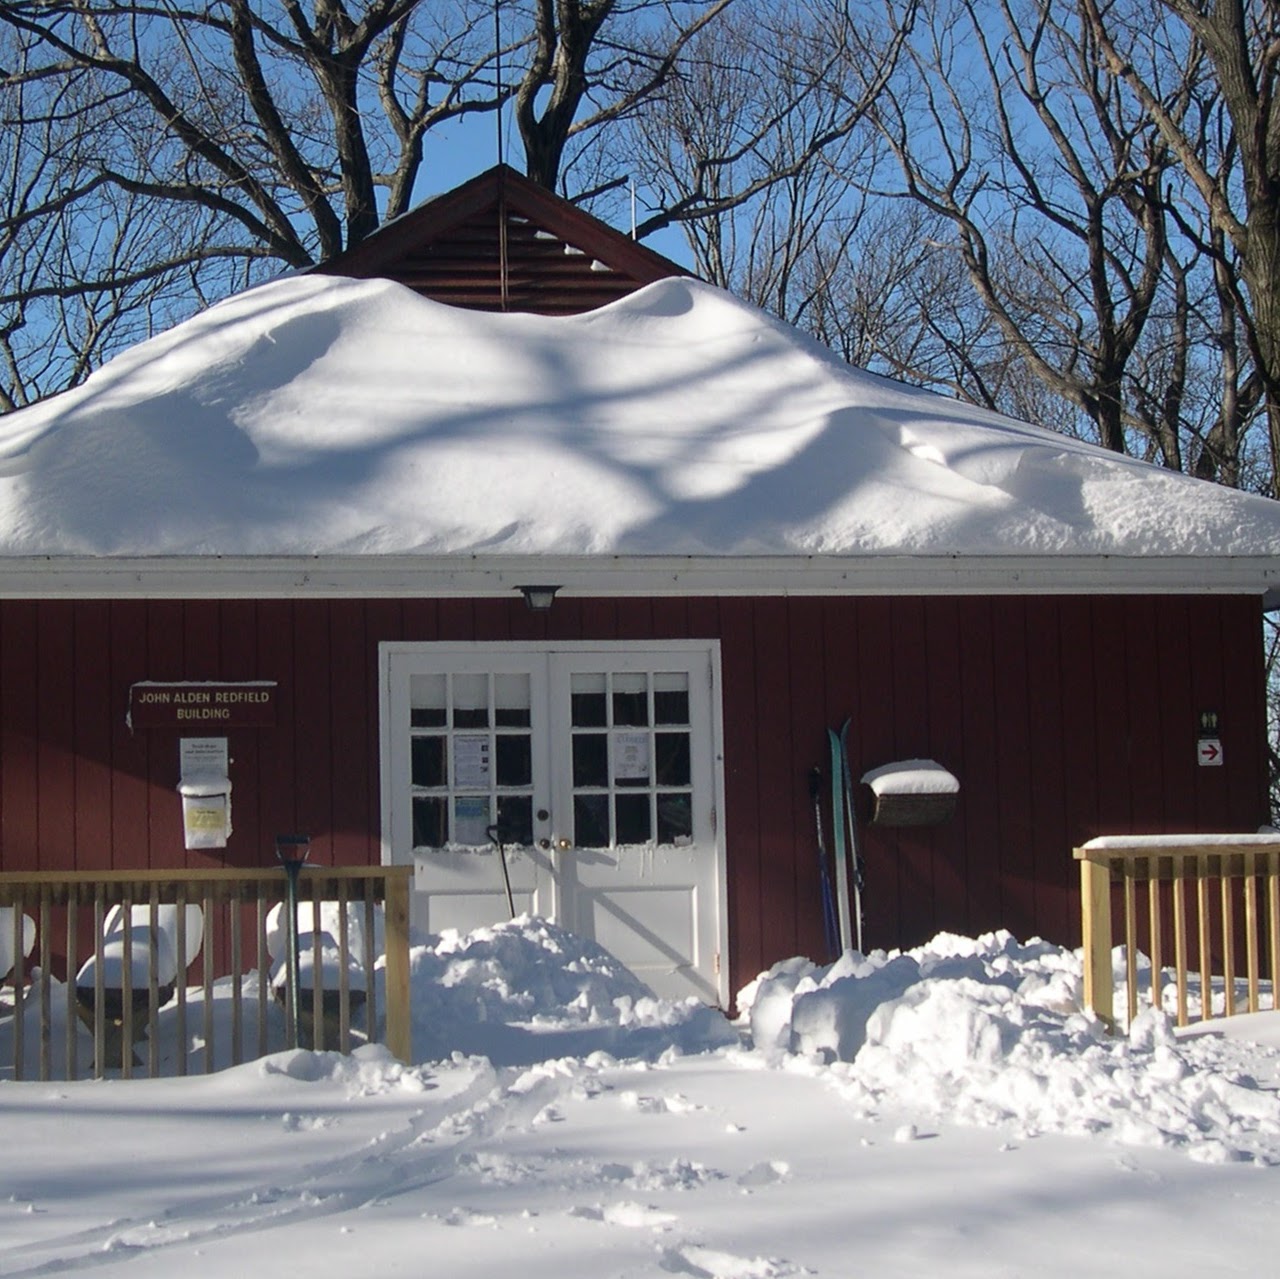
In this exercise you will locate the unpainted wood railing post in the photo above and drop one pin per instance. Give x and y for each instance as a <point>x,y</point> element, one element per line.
<point>344,970</point>
<point>1130,941</point>
<point>317,973</point>
<point>209,957</point>
<point>1273,917</point>
<point>46,957</point>
<point>1251,950</point>
<point>1095,900</point>
<point>69,1002</point>
<point>399,1027</point>
<point>19,989</point>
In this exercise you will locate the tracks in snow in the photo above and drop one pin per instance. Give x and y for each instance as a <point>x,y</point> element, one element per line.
<point>424,1151</point>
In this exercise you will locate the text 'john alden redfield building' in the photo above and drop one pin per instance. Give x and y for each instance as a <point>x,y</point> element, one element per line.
<point>503,521</point>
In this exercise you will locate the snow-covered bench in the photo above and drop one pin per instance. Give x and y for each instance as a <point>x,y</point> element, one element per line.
<point>134,957</point>
<point>336,968</point>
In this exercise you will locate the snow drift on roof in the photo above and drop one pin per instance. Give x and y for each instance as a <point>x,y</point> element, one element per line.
<point>322,415</point>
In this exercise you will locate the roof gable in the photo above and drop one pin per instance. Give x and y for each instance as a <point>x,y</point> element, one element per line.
<point>502,243</point>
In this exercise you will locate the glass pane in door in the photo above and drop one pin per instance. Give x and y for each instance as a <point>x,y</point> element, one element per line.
<point>471,758</point>
<point>631,781</point>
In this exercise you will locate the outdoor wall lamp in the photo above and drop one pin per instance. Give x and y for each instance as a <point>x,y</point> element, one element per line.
<point>538,598</point>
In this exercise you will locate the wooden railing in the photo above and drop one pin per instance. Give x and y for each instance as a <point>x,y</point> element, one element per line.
<point>1209,903</point>
<point>223,1007</point>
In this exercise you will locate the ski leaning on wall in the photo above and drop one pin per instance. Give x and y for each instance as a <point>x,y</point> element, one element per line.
<point>844,824</point>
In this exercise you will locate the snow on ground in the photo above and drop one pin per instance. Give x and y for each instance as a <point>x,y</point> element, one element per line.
<point>948,1110</point>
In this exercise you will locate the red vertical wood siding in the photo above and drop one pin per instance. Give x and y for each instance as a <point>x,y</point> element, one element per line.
<point>1063,717</point>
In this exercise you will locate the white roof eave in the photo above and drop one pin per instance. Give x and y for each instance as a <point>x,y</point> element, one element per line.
<point>394,576</point>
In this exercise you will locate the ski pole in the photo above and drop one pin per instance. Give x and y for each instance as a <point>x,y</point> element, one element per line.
<point>829,924</point>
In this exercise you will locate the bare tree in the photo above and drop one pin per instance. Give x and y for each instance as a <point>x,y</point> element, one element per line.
<point>613,58</point>
<point>83,265</point>
<point>1051,189</point>
<point>284,123</point>
<point>218,136</point>
<point>763,117</point>
<point>1206,75</point>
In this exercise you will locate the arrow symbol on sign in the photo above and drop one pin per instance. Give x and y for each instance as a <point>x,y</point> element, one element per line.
<point>1210,751</point>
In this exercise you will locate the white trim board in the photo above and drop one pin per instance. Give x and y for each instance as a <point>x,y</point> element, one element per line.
<point>287,577</point>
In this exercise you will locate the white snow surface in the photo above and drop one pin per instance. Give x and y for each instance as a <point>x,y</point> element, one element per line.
<point>1265,838</point>
<point>319,416</point>
<point>948,1110</point>
<point>912,777</point>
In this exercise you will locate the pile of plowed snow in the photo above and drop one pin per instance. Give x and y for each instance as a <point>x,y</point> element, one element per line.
<point>985,1031</point>
<point>527,990</point>
<point>990,1031</point>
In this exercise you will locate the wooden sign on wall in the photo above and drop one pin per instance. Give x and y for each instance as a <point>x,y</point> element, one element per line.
<point>198,706</point>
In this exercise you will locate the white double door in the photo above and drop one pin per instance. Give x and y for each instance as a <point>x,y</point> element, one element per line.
<point>596,766</point>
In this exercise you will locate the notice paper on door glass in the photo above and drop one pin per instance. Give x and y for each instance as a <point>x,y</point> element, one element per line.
<point>630,757</point>
<point>470,820</point>
<point>471,761</point>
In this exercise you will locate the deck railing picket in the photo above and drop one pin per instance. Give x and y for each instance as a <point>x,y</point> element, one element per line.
<point>1204,934</point>
<point>1273,914</point>
<point>1157,939</point>
<point>208,953</point>
<point>1228,947</point>
<point>371,987</point>
<point>183,966</point>
<point>153,978</point>
<point>99,988</point>
<point>1131,945</point>
<point>71,1065</point>
<point>126,988</point>
<point>344,975</point>
<point>260,919</point>
<point>1252,975</point>
<point>236,915</point>
<point>46,990</point>
<point>19,987</point>
<point>317,981</point>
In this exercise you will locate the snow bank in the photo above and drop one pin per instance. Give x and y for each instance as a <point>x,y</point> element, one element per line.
<point>527,990</point>
<point>985,1032</point>
<point>990,1032</point>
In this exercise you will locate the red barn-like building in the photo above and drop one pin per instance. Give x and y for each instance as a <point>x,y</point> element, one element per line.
<point>291,542</point>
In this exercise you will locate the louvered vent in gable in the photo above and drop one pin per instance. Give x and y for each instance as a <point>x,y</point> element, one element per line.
<point>500,243</point>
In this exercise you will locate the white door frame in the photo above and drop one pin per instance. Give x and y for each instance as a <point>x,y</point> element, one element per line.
<point>390,650</point>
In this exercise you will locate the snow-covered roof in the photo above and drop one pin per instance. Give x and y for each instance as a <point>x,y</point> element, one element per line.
<point>678,439</point>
